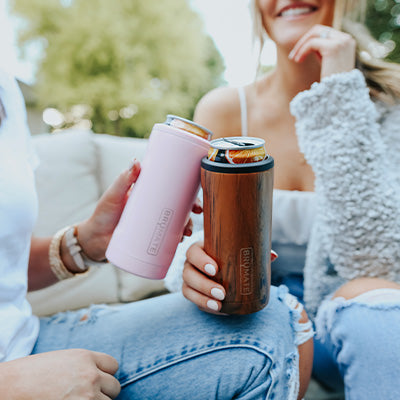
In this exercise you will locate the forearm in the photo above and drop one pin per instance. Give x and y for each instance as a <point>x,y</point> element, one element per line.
<point>355,183</point>
<point>8,377</point>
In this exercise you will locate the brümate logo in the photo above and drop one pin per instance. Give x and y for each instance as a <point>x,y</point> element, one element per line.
<point>246,266</point>
<point>159,231</point>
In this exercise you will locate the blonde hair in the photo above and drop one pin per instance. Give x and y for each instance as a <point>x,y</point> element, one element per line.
<point>382,77</point>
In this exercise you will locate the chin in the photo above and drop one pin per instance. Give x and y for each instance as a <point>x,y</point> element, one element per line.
<point>289,34</point>
<point>290,37</point>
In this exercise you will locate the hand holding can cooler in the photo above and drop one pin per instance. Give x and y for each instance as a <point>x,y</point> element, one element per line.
<point>237,182</point>
<point>152,223</point>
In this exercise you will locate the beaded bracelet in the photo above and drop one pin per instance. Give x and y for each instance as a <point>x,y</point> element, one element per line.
<point>56,263</point>
<point>81,260</point>
<point>74,248</point>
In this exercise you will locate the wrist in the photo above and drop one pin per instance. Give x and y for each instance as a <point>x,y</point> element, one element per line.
<point>64,254</point>
<point>56,260</point>
<point>89,242</point>
<point>76,254</point>
<point>67,256</point>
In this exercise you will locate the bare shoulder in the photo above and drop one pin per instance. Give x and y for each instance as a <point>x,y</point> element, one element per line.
<point>219,111</point>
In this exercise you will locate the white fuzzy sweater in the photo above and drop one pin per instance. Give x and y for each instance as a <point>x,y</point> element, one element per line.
<point>353,146</point>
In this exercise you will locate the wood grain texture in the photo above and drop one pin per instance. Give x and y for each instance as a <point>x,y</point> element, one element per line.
<point>237,235</point>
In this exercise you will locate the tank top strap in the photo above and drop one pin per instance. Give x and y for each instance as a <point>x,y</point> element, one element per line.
<point>243,109</point>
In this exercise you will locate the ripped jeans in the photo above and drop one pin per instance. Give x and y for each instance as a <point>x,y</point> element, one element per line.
<point>168,349</point>
<point>358,344</point>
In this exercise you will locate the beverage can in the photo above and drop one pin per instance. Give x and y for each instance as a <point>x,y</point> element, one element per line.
<point>237,150</point>
<point>188,126</point>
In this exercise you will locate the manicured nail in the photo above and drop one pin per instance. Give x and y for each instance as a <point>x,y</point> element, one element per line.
<point>197,207</point>
<point>188,232</point>
<point>217,293</point>
<point>274,255</point>
<point>291,54</point>
<point>212,305</point>
<point>132,163</point>
<point>210,269</point>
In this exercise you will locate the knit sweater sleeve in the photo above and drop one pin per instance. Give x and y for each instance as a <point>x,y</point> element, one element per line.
<point>353,155</point>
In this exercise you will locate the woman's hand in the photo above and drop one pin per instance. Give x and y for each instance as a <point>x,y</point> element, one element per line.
<point>335,49</point>
<point>74,374</point>
<point>95,233</point>
<point>198,285</point>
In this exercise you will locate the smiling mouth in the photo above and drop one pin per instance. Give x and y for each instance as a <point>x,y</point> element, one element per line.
<point>296,11</point>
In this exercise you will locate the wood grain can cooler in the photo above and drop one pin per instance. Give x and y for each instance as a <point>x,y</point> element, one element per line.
<point>237,203</point>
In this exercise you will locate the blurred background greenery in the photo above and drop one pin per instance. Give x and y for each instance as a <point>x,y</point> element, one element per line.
<point>383,20</point>
<point>122,77</point>
<point>118,77</point>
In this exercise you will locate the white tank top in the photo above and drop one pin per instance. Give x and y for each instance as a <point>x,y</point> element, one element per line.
<point>293,210</point>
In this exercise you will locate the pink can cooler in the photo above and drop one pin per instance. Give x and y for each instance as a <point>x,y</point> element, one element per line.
<point>152,223</point>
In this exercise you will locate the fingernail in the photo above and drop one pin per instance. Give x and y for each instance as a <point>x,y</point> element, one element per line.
<point>197,207</point>
<point>217,293</point>
<point>132,163</point>
<point>212,305</point>
<point>274,255</point>
<point>188,232</point>
<point>210,269</point>
<point>291,54</point>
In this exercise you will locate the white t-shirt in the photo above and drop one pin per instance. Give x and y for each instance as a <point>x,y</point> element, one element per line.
<point>18,213</point>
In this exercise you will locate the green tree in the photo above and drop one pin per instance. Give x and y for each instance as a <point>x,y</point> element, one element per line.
<point>383,20</point>
<point>129,62</point>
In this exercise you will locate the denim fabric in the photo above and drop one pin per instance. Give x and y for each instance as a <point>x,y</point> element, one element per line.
<point>363,340</point>
<point>357,345</point>
<point>168,349</point>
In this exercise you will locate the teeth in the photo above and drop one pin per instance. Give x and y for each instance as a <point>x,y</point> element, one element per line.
<point>296,11</point>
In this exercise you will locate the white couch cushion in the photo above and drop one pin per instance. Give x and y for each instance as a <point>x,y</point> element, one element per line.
<point>99,285</point>
<point>67,179</point>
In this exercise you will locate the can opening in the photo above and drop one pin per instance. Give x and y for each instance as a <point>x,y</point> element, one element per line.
<point>237,150</point>
<point>188,126</point>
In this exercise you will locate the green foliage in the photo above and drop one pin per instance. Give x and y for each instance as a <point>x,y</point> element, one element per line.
<point>383,20</point>
<point>146,58</point>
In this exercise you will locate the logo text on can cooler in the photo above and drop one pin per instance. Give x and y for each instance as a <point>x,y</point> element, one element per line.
<point>188,126</point>
<point>159,231</point>
<point>237,150</point>
<point>246,270</point>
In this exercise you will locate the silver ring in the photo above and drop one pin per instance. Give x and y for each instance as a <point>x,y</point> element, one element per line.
<point>324,34</point>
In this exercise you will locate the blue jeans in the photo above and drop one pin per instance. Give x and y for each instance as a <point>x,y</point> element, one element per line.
<point>362,343</point>
<point>357,346</point>
<point>168,349</point>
